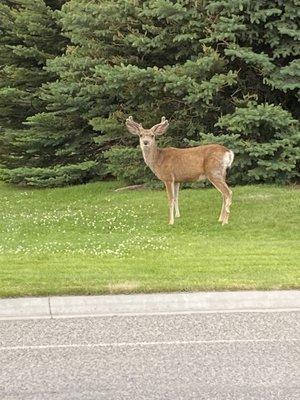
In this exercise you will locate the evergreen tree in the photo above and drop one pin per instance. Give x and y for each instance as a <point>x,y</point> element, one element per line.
<point>29,37</point>
<point>222,71</point>
<point>261,41</point>
<point>127,57</point>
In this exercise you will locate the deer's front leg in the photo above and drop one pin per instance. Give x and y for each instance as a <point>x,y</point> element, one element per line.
<point>176,192</point>
<point>171,197</point>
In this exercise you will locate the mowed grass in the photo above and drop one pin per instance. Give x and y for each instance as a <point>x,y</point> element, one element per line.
<point>90,239</point>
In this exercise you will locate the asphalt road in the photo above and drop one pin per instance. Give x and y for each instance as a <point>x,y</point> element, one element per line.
<point>214,355</point>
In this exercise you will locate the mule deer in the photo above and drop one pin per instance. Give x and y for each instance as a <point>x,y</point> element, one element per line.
<point>174,166</point>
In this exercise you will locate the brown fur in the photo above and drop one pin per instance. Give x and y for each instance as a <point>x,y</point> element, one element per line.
<point>191,164</point>
<point>174,166</point>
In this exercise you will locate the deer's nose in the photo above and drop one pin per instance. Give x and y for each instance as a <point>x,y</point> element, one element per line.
<point>145,142</point>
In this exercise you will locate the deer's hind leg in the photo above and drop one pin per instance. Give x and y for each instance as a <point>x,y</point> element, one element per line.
<point>222,213</point>
<point>220,184</point>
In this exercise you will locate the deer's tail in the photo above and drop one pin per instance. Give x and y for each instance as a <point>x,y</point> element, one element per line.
<point>228,159</point>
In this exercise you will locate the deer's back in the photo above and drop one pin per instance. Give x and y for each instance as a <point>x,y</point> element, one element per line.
<point>191,164</point>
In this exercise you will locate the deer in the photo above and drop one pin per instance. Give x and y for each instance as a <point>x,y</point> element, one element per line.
<point>174,166</point>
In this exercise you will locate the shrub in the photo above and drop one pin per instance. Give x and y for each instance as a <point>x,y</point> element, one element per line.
<point>265,139</point>
<point>52,177</point>
<point>127,164</point>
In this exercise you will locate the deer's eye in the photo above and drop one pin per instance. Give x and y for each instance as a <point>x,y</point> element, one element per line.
<point>152,136</point>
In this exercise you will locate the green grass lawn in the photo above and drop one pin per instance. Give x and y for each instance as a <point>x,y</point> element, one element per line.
<point>90,239</point>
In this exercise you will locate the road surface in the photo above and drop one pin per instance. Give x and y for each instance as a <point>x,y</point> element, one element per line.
<point>232,355</point>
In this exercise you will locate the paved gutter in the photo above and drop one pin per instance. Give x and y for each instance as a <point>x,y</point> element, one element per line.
<point>137,304</point>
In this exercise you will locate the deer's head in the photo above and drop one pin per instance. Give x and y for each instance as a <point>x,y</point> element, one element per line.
<point>147,136</point>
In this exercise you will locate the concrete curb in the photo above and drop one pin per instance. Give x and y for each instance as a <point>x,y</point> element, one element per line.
<point>160,303</point>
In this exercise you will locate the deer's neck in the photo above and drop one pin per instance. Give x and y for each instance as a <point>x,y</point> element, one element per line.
<point>150,155</point>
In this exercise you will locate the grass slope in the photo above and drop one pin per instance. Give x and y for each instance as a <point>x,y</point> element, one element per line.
<point>90,239</point>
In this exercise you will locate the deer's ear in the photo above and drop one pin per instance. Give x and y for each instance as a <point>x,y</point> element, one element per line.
<point>161,128</point>
<point>133,126</point>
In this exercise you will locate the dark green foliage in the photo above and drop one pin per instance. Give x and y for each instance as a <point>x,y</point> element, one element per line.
<point>128,165</point>
<point>51,177</point>
<point>262,39</point>
<point>220,71</point>
<point>140,58</point>
<point>29,37</point>
<point>266,142</point>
